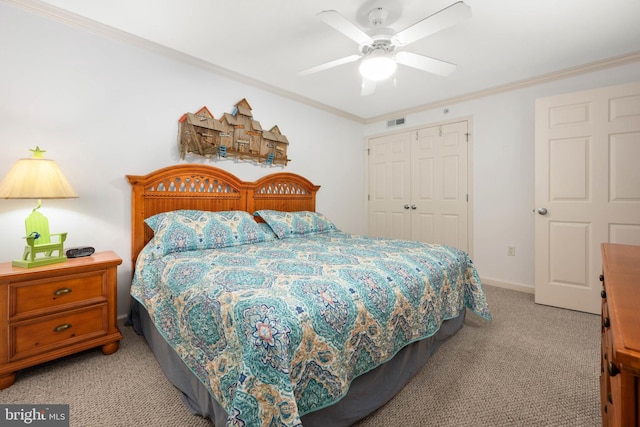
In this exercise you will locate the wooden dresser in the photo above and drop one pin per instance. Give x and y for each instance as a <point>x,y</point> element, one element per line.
<point>620,358</point>
<point>56,310</point>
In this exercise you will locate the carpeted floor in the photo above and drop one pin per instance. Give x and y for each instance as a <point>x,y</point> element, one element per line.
<point>531,366</point>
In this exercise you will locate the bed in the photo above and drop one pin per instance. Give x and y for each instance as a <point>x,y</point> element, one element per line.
<point>262,312</point>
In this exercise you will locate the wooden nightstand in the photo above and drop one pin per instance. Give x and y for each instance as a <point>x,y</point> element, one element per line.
<point>56,310</point>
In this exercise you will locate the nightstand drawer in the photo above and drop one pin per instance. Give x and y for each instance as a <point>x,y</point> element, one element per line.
<point>54,292</point>
<point>33,337</point>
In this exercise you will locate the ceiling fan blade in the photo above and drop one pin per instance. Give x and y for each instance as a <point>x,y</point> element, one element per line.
<point>425,63</point>
<point>346,27</point>
<point>440,20</point>
<point>368,87</point>
<point>330,64</point>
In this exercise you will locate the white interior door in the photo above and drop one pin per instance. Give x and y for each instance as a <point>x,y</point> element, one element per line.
<point>390,186</point>
<point>439,191</point>
<point>587,157</point>
<point>418,185</point>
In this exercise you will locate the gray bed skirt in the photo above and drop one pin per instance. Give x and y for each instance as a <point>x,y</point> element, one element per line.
<point>367,393</point>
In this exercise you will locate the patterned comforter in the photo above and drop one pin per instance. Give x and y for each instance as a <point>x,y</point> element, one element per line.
<point>279,329</point>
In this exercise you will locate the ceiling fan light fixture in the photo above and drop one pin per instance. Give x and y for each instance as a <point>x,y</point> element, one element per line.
<point>377,66</point>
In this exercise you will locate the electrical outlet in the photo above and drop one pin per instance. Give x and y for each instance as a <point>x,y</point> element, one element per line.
<point>511,250</point>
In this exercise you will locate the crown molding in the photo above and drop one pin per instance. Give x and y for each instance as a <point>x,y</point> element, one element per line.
<point>80,22</point>
<point>71,19</point>
<point>520,84</point>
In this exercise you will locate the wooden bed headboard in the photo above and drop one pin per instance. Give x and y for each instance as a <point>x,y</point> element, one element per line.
<point>204,187</point>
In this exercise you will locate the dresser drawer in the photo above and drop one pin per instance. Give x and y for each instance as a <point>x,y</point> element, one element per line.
<point>605,335</point>
<point>47,333</point>
<point>39,296</point>
<point>614,416</point>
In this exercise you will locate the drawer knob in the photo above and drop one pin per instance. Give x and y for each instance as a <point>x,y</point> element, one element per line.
<point>62,327</point>
<point>603,294</point>
<point>606,323</point>
<point>613,369</point>
<point>601,277</point>
<point>62,291</point>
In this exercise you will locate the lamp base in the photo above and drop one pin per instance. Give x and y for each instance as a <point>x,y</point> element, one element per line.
<point>39,261</point>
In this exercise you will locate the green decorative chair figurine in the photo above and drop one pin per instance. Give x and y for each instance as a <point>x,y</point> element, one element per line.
<point>39,242</point>
<point>38,178</point>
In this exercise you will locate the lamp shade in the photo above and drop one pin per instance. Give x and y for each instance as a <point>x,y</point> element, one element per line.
<point>378,65</point>
<point>36,178</point>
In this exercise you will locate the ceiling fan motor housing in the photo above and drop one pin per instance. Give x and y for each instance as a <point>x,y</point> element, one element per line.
<point>380,43</point>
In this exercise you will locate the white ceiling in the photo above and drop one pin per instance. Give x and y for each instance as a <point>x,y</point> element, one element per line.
<point>267,42</point>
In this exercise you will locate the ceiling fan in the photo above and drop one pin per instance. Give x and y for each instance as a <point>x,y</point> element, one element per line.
<point>378,52</point>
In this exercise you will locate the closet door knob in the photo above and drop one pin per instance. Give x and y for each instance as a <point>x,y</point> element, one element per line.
<point>414,207</point>
<point>406,206</point>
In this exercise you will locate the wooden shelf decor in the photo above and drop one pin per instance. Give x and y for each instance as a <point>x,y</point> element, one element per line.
<point>235,135</point>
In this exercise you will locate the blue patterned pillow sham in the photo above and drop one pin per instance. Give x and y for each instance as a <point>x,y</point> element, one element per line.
<point>188,230</point>
<point>288,225</point>
<point>268,232</point>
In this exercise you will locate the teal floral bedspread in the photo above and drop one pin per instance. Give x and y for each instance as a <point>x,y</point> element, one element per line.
<point>279,329</point>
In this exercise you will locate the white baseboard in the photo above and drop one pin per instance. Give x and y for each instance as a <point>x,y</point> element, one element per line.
<point>513,286</point>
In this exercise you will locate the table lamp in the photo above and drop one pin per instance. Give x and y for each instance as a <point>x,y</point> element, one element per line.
<point>38,178</point>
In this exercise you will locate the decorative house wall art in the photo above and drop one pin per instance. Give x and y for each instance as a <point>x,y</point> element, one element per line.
<point>235,135</point>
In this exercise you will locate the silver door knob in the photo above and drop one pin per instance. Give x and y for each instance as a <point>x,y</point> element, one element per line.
<point>542,211</point>
<point>406,206</point>
<point>414,207</point>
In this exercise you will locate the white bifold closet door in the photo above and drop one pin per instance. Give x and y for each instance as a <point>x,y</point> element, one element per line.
<point>418,185</point>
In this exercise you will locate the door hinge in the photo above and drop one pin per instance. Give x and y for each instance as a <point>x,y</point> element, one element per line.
<point>467,135</point>
<point>467,198</point>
